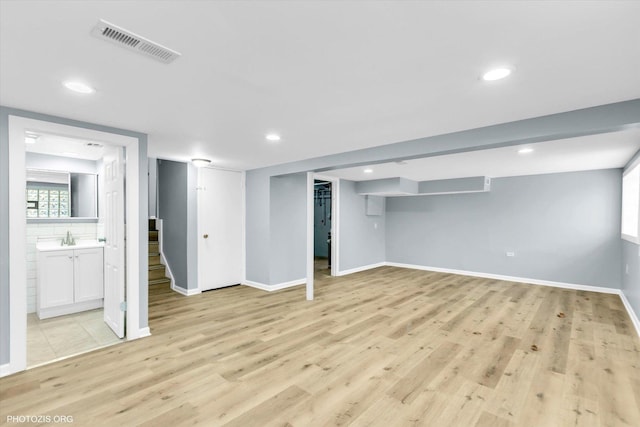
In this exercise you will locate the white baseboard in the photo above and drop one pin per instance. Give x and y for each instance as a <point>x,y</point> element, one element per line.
<point>5,370</point>
<point>632,314</point>
<point>144,332</point>
<point>276,287</point>
<point>508,278</point>
<point>186,292</point>
<point>140,333</point>
<point>362,268</point>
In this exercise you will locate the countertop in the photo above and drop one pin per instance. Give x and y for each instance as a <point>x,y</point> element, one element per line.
<point>54,245</point>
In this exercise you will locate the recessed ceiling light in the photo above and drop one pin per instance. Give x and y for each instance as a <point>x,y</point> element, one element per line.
<point>368,170</point>
<point>525,150</point>
<point>496,74</point>
<point>79,87</point>
<point>273,137</point>
<point>200,162</point>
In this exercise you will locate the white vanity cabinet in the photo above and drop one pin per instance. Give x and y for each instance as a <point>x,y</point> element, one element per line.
<point>69,280</point>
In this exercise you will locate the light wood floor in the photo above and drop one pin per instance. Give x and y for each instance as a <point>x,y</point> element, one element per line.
<point>386,347</point>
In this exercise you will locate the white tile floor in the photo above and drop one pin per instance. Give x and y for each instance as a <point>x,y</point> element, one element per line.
<point>59,337</point>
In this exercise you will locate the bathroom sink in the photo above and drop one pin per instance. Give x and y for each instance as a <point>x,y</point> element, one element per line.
<point>54,245</point>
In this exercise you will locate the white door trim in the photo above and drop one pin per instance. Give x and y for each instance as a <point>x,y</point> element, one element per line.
<point>17,229</point>
<point>310,226</point>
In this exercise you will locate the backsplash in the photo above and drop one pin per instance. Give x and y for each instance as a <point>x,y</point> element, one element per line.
<point>48,231</point>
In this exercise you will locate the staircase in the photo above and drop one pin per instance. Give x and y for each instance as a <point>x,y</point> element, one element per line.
<point>157,274</point>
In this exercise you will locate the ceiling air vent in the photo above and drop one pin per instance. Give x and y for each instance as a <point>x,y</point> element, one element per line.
<point>107,31</point>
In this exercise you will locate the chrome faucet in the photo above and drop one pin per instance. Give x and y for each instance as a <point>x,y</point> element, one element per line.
<point>69,240</point>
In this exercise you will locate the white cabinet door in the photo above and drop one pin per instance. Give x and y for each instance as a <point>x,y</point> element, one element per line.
<point>55,279</point>
<point>88,267</point>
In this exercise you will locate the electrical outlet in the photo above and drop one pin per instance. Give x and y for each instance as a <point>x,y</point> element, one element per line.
<point>511,254</point>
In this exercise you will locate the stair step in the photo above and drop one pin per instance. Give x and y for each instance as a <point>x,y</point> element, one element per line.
<point>160,281</point>
<point>157,273</point>
<point>156,267</point>
<point>154,259</point>
<point>152,224</point>
<point>153,236</point>
<point>154,247</point>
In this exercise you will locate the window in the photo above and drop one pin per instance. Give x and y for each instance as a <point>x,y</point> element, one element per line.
<point>631,204</point>
<point>45,200</point>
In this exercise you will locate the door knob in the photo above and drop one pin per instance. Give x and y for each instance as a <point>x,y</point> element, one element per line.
<point>206,236</point>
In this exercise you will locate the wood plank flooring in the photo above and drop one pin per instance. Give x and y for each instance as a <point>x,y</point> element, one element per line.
<point>385,347</point>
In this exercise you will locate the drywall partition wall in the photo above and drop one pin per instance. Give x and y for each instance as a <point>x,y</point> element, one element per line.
<point>5,258</point>
<point>288,228</point>
<point>387,186</point>
<point>172,209</point>
<point>258,221</point>
<point>362,237</point>
<point>4,240</point>
<point>558,227</point>
<point>588,121</point>
<point>153,186</point>
<point>631,262</point>
<point>192,226</point>
<point>457,185</point>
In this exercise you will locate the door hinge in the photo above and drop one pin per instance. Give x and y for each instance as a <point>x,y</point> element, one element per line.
<point>123,306</point>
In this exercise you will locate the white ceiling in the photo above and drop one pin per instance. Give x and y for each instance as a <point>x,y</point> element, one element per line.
<point>328,76</point>
<point>612,150</point>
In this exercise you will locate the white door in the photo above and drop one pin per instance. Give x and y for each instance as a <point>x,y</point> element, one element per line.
<point>114,249</point>
<point>220,234</point>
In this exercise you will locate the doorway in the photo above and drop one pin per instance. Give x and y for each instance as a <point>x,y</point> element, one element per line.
<point>19,128</point>
<point>67,263</point>
<point>323,197</point>
<point>322,215</point>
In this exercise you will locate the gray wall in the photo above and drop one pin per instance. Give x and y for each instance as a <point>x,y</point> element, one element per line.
<point>594,120</point>
<point>631,263</point>
<point>258,220</point>
<point>172,209</point>
<point>362,237</point>
<point>5,259</point>
<point>59,163</point>
<point>562,227</point>
<point>288,228</point>
<point>192,226</point>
